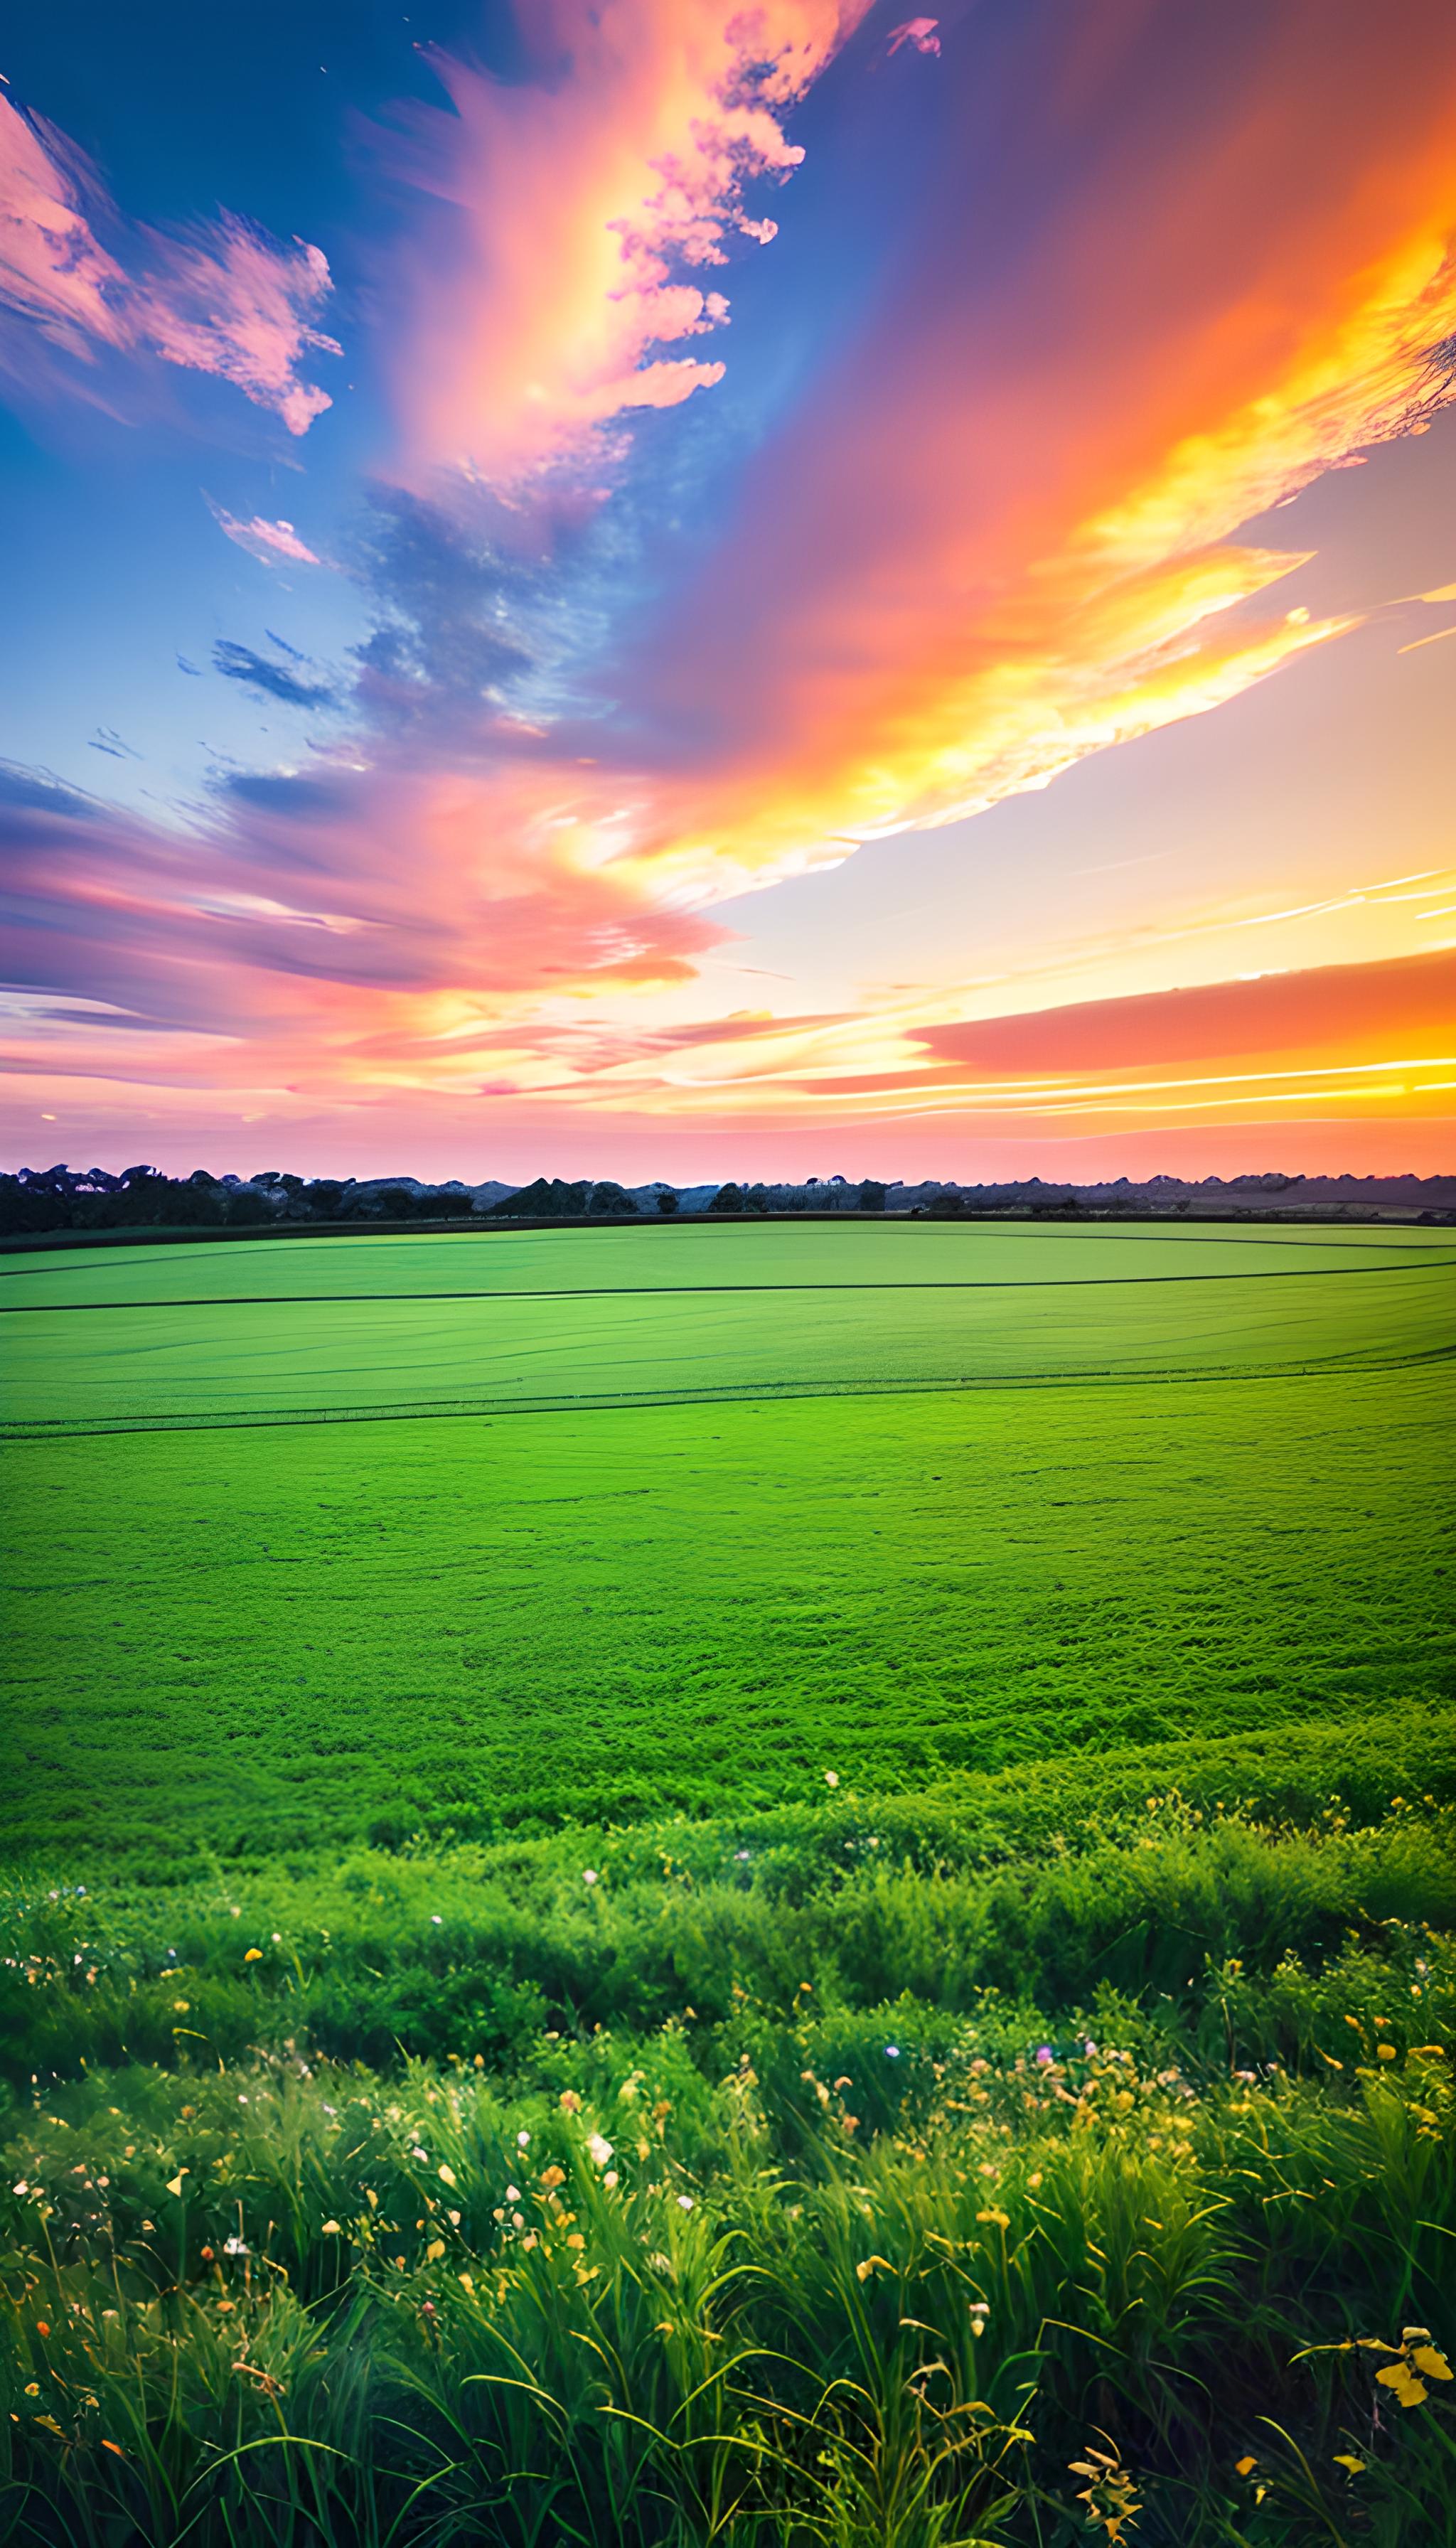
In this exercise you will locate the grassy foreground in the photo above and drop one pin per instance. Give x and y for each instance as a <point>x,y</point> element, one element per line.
<point>839,2174</point>
<point>784,1888</point>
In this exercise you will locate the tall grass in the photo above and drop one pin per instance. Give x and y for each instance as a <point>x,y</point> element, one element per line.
<point>818,2196</point>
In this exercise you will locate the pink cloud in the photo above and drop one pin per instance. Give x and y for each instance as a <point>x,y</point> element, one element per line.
<point>578,205</point>
<point>919,32</point>
<point>330,927</point>
<point>266,541</point>
<point>229,300</point>
<point>53,271</point>
<point>222,298</point>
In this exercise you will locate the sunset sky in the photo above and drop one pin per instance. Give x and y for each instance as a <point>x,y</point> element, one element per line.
<point>658,586</point>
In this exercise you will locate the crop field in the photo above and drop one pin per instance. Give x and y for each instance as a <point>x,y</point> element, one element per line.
<point>623,1521</point>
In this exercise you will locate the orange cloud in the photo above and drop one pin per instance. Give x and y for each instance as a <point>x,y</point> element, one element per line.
<point>999,537</point>
<point>1332,1014</point>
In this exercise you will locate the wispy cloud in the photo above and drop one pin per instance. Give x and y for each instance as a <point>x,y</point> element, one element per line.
<point>218,296</point>
<point>271,544</point>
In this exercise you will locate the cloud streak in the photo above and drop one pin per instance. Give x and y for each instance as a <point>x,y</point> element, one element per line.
<point>238,663</point>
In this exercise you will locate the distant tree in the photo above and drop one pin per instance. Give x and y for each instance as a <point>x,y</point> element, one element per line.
<point>947,1206</point>
<point>245,1209</point>
<point>608,1196</point>
<point>666,1201</point>
<point>872,1196</point>
<point>728,1198</point>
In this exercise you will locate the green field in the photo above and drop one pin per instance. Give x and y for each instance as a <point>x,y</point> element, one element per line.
<point>730,1888</point>
<point>886,1501</point>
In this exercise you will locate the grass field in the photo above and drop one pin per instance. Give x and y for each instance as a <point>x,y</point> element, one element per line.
<point>997,1528</point>
<point>730,1888</point>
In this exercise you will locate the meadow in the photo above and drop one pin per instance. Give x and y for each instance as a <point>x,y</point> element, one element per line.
<point>1052,1490</point>
<point>775,1885</point>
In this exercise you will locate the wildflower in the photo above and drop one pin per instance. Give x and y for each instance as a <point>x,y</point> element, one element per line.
<point>434,2251</point>
<point>236,1911</point>
<point>512,2194</point>
<point>571,2103</point>
<point>831,1778</point>
<point>1044,2055</point>
<point>684,2202</point>
<point>278,1936</point>
<point>552,2177</point>
<point>998,2218</point>
<point>235,2247</point>
<point>1246,2466</point>
<point>892,2052</point>
<point>522,2140</point>
<point>867,2264</point>
<point>612,2180</point>
<point>589,1875</point>
<point>1400,2377</point>
<point>174,2183</point>
<point>255,1955</point>
<point>447,2175</point>
<point>331,2229</point>
<point>1344,2460</point>
<point>113,2446</point>
<point>601,2150</point>
<point>43,2327</point>
<point>435,1920</point>
<point>740,1854</point>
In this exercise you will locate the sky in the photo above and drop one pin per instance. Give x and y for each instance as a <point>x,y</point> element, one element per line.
<point>664,588</point>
